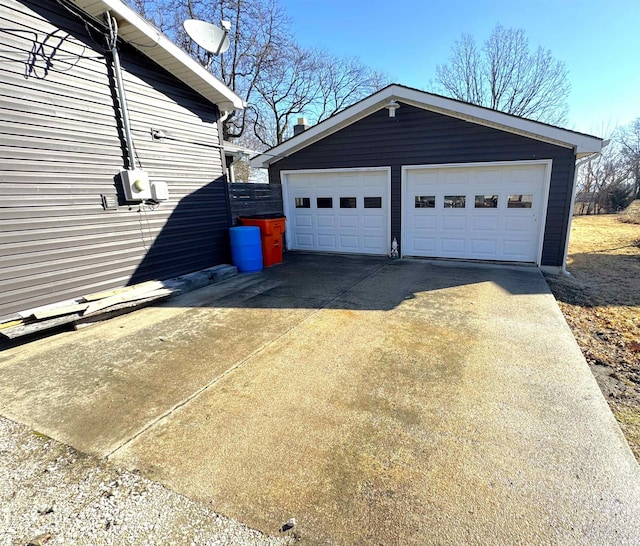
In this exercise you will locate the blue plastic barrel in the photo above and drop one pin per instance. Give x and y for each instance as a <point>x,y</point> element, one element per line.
<point>246,248</point>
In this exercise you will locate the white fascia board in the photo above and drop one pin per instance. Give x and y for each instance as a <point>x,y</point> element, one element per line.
<point>142,35</point>
<point>584,144</point>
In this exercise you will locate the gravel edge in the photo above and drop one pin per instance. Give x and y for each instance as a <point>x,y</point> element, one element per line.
<point>52,494</point>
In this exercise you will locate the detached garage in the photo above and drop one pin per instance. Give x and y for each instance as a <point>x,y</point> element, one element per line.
<point>445,178</point>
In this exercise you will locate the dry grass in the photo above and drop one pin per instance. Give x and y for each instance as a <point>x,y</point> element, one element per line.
<point>601,302</point>
<point>632,213</point>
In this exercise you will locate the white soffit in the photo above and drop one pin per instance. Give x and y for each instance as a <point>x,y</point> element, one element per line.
<point>134,29</point>
<point>584,144</point>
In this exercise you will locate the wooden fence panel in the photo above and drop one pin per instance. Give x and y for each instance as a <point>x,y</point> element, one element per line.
<point>249,199</point>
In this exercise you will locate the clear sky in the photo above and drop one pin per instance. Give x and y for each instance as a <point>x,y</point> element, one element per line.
<point>598,40</point>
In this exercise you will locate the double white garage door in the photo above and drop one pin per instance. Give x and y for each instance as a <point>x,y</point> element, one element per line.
<point>485,212</point>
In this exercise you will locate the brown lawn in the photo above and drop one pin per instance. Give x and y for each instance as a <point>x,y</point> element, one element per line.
<point>601,302</point>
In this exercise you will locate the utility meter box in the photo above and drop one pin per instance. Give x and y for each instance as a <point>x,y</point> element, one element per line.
<point>136,185</point>
<point>159,191</point>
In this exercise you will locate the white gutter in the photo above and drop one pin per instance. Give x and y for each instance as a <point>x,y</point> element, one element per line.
<point>578,164</point>
<point>147,39</point>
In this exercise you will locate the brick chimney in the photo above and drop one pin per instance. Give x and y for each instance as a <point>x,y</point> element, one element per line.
<point>300,127</point>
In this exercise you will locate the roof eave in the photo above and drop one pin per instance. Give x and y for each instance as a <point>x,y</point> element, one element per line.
<point>583,144</point>
<point>135,30</point>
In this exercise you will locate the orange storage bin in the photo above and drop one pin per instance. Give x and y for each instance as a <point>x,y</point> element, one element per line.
<point>271,231</point>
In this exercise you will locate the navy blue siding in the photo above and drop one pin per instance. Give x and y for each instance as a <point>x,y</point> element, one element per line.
<point>419,137</point>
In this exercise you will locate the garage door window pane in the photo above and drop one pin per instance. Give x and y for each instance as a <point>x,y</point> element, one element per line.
<point>520,201</point>
<point>455,201</point>
<point>324,202</point>
<point>486,202</point>
<point>303,203</point>
<point>347,202</point>
<point>373,202</point>
<point>425,201</point>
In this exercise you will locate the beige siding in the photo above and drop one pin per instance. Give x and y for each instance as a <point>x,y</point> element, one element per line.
<point>61,149</point>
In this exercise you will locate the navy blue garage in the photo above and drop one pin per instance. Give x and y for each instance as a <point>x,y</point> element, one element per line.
<point>445,178</point>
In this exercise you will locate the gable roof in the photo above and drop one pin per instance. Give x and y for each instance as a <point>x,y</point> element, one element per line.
<point>584,144</point>
<point>147,39</point>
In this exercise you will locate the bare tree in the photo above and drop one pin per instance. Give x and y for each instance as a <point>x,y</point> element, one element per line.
<point>506,75</point>
<point>259,33</point>
<point>265,66</point>
<point>312,83</point>
<point>288,87</point>
<point>630,145</point>
<point>604,181</point>
<point>341,82</point>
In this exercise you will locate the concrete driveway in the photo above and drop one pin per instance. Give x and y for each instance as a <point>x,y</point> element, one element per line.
<point>376,402</point>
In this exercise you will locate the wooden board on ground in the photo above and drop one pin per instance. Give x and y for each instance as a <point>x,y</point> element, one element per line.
<point>131,295</point>
<point>118,308</point>
<point>44,308</point>
<point>59,311</point>
<point>148,285</point>
<point>11,324</point>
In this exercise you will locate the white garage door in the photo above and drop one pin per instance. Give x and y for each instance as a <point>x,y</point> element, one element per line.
<point>338,211</point>
<point>491,212</point>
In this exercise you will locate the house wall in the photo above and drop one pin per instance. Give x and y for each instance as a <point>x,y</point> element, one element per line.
<point>419,137</point>
<point>61,149</point>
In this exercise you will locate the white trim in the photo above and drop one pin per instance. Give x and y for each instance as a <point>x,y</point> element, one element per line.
<point>565,254</point>
<point>576,166</point>
<point>548,163</point>
<point>147,39</point>
<point>551,269</point>
<point>584,144</point>
<point>285,193</point>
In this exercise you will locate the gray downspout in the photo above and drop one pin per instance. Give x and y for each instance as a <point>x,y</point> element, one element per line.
<point>117,69</point>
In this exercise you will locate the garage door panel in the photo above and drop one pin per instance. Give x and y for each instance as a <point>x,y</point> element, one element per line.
<point>425,222</point>
<point>371,186</point>
<point>454,223</point>
<point>425,244</point>
<point>374,222</point>
<point>349,242</point>
<point>516,249</point>
<point>343,226</point>
<point>300,186</point>
<point>519,225</point>
<point>303,220</point>
<point>325,220</point>
<point>348,221</point>
<point>484,223</point>
<point>327,241</point>
<point>346,184</point>
<point>487,176</point>
<point>455,176</point>
<point>372,243</point>
<point>484,247</point>
<point>510,230</point>
<point>304,240</point>
<point>322,186</point>
<point>453,246</point>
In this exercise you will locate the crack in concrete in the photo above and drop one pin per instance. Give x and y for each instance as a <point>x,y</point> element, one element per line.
<point>154,422</point>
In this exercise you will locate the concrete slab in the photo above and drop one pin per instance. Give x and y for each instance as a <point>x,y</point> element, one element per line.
<point>375,401</point>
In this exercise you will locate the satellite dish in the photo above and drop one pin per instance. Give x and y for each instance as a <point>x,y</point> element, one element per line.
<point>208,36</point>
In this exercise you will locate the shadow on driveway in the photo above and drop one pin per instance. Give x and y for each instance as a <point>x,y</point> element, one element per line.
<point>307,280</point>
<point>376,402</point>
